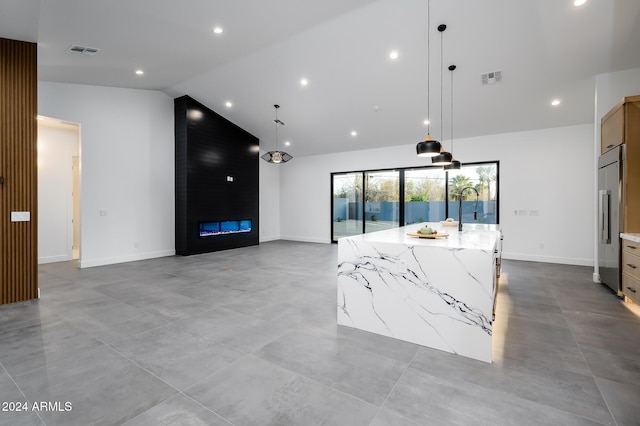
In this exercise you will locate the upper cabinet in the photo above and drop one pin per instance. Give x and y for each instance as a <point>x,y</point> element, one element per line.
<point>621,124</point>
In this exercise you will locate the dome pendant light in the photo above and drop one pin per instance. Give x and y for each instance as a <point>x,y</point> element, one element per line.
<point>455,164</point>
<point>276,156</point>
<point>443,158</point>
<point>429,147</point>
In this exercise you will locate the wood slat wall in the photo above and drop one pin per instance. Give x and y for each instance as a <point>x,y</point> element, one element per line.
<point>18,168</point>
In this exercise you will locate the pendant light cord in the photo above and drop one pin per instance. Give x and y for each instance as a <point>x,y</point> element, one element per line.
<point>452,67</point>
<point>428,70</point>
<point>441,73</point>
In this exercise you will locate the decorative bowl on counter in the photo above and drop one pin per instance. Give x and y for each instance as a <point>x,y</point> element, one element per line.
<point>449,222</point>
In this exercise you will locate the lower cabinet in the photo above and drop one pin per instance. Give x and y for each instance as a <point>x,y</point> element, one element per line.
<point>631,274</point>
<point>631,288</point>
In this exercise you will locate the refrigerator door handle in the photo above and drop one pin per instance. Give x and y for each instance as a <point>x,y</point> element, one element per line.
<point>605,235</point>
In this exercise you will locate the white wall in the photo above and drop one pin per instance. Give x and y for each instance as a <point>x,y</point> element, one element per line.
<point>269,200</point>
<point>127,169</point>
<point>56,148</point>
<point>549,170</point>
<point>611,88</point>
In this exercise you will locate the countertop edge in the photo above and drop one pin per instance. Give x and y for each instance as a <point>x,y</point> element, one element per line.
<point>630,237</point>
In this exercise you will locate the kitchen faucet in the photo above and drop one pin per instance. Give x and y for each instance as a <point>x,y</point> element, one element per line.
<point>475,212</point>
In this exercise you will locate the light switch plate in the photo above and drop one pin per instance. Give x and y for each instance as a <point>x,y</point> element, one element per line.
<point>20,216</point>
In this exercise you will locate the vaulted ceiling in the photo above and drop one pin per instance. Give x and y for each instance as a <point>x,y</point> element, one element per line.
<point>545,49</point>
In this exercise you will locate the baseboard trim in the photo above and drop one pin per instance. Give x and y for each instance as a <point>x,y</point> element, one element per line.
<point>54,259</point>
<point>305,239</point>
<point>548,259</point>
<point>124,259</point>
<point>267,239</point>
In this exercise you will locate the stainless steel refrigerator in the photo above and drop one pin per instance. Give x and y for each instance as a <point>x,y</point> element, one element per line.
<point>610,215</point>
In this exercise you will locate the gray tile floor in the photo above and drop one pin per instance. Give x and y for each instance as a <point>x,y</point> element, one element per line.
<point>248,337</point>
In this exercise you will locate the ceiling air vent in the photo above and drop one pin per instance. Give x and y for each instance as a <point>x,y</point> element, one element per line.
<point>82,50</point>
<point>491,77</point>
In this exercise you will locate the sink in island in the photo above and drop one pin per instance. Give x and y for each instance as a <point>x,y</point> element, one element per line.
<point>434,292</point>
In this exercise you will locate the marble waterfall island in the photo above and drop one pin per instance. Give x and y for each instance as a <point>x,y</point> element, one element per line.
<point>434,292</point>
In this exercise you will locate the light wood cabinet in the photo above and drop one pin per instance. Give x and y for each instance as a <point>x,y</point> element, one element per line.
<point>620,125</point>
<point>612,130</point>
<point>631,247</point>
<point>631,270</point>
<point>631,288</point>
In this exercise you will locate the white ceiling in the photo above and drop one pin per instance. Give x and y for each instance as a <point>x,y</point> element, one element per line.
<point>545,48</point>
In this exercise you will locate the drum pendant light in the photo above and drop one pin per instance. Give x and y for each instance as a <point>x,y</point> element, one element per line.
<point>276,156</point>
<point>455,164</point>
<point>429,147</point>
<point>443,158</point>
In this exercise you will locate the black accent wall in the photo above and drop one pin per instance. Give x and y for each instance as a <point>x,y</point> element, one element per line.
<point>209,150</point>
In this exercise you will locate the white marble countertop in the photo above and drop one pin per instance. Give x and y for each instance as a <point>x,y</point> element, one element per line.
<point>473,236</point>
<point>437,293</point>
<point>631,237</point>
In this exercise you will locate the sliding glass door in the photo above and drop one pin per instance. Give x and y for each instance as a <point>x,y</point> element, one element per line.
<point>424,195</point>
<point>347,205</point>
<point>373,200</point>
<point>382,200</point>
<point>481,197</point>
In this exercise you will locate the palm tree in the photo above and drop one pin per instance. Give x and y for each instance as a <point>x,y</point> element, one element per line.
<point>457,184</point>
<point>486,175</point>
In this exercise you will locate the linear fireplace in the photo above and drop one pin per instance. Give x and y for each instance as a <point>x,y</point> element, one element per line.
<point>225,227</point>
<point>217,181</point>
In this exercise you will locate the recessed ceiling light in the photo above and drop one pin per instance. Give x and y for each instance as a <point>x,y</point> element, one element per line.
<point>425,122</point>
<point>217,30</point>
<point>555,102</point>
<point>579,2</point>
<point>304,82</point>
<point>287,143</point>
<point>228,104</point>
<point>354,133</point>
<point>393,54</point>
<point>139,72</point>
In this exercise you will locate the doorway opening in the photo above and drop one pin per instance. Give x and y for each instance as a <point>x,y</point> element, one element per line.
<point>59,176</point>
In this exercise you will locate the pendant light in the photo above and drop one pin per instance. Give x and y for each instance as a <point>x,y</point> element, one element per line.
<point>455,164</point>
<point>428,147</point>
<point>443,158</point>
<point>276,156</point>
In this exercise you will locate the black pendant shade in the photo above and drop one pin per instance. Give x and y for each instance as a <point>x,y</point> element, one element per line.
<point>276,157</point>
<point>442,159</point>
<point>454,165</point>
<point>428,147</point>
